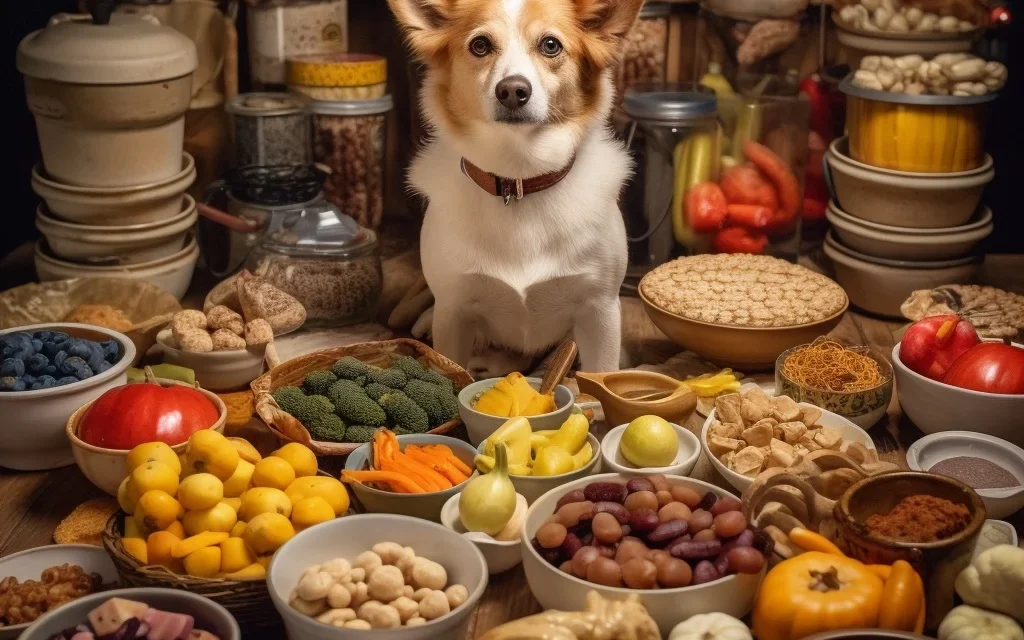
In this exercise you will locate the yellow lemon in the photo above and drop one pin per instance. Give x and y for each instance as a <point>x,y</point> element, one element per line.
<point>234,503</point>
<point>156,511</point>
<point>649,441</point>
<point>200,491</point>
<point>301,459</point>
<point>264,500</point>
<point>152,452</point>
<point>203,563</point>
<point>127,496</point>
<point>273,472</point>
<point>245,450</point>
<point>218,518</point>
<point>160,547</point>
<point>235,555</point>
<point>267,532</point>
<point>310,511</point>
<point>210,452</point>
<point>240,480</point>
<point>154,476</point>
<point>330,489</point>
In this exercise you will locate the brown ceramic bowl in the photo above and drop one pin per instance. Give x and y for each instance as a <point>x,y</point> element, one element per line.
<point>865,634</point>
<point>938,562</point>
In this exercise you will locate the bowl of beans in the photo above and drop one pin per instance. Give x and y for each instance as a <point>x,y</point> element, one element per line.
<point>682,545</point>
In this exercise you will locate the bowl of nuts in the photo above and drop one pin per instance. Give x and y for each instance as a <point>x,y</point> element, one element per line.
<point>681,545</point>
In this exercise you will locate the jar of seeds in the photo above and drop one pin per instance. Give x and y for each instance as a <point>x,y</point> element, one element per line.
<point>282,29</point>
<point>645,52</point>
<point>270,129</point>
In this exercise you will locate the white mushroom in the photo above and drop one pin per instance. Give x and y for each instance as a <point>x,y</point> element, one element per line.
<point>339,597</point>
<point>457,595</point>
<point>336,617</point>
<point>339,569</point>
<point>315,586</point>
<point>368,561</point>
<point>434,605</point>
<point>386,583</point>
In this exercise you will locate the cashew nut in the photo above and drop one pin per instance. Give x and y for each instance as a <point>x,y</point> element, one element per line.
<point>339,569</point>
<point>368,561</point>
<point>899,23</point>
<point>339,597</point>
<point>389,552</point>
<point>406,607</point>
<point>881,17</point>
<point>415,622</point>
<point>420,594</point>
<point>886,78</point>
<point>427,573</point>
<point>949,24</point>
<point>872,63</point>
<point>914,15</point>
<point>336,617</point>
<point>868,80</point>
<point>434,605</point>
<point>307,607</point>
<point>386,583</point>
<point>315,586</point>
<point>457,595</point>
<point>358,592</point>
<point>966,70</point>
<point>929,22</point>
<point>362,625</point>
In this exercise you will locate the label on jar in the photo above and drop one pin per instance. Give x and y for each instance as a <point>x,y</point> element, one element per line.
<point>47,107</point>
<point>333,32</point>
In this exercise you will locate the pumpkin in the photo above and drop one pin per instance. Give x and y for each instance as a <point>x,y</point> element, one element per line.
<point>969,623</point>
<point>710,626</point>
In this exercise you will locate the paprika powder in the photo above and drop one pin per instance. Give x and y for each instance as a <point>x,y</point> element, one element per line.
<point>920,518</point>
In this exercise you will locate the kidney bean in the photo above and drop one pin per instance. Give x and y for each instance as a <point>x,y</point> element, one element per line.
<point>626,530</point>
<point>664,497</point>
<point>744,560</point>
<point>708,501</point>
<point>551,535</point>
<point>571,545</point>
<point>605,492</point>
<point>620,512</point>
<point>673,573</point>
<point>745,539</point>
<point>571,514</point>
<point>683,538</point>
<point>643,520</point>
<point>721,563</point>
<point>726,504</point>
<point>641,500</point>
<point>630,548</point>
<point>686,495</point>
<point>552,518</point>
<point>639,484</point>
<point>705,571</point>
<point>582,560</point>
<point>552,556</point>
<point>639,573</point>
<point>705,535</point>
<point>575,495</point>
<point>587,538</point>
<point>700,520</point>
<point>729,524</point>
<point>566,567</point>
<point>667,531</point>
<point>694,550</point>
<point>659,556</point>
<point>607,529</point>
<point>659,482</point>
<point>674,511</point>
<point>605,571</point>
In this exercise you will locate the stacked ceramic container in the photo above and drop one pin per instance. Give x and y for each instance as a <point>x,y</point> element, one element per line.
<point>109,97</point>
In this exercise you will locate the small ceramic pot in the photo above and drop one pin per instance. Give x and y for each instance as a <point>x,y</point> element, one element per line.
<point>939,562</point>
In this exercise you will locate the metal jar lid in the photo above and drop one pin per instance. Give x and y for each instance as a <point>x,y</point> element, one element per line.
<point>670,104</point>
<point>267,104</point>
<point>371,107</point>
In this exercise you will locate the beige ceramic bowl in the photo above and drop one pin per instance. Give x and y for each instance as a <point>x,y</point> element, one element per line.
<point>480,425</point>
<point>533,487</point>
<point>172,274</point>
<point>106,206</point>
<point>743,348</point>
<point>501,555</point>
<point>901,198</point>
<point>880,286</point>
<point>105,467</point>
<point>123,244</point>
<point>217,370</point>
<point>906,243</point>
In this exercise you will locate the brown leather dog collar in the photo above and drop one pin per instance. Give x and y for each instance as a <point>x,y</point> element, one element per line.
<point>513,188</point>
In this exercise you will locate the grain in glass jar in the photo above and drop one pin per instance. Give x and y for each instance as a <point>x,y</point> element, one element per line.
<point>270,129</point>
<point>281,29</point>
<point>339,76</point>
<point>645,50</point>
<point>350,138</point>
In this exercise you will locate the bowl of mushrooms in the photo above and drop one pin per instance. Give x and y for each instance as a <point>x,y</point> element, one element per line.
<point>225,352</point>
<point>337,579</point>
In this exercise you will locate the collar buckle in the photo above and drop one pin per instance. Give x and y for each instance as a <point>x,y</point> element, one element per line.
<point>509,189</point>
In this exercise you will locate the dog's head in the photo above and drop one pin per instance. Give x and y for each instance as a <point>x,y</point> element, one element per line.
<point>510,68</point>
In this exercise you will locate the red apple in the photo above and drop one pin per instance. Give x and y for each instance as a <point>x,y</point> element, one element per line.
<point>930,346</point>
<point>992,367</point>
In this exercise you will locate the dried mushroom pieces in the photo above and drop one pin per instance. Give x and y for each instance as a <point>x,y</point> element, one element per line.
<point>993,312</point>
<point>22,602</point>
<point>743,290</point>
<point>957,74</point>
<point>919,16</point>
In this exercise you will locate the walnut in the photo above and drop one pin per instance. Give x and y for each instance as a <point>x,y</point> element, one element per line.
<point>258,332</point>
<point>221,317</point>
<point>226,340</point>
<point>195,340</point>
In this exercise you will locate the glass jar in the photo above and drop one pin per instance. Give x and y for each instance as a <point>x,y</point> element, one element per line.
<point>282,29</point>
<point>349,137</point>
<point>270,129</point>
<point>645,50</point>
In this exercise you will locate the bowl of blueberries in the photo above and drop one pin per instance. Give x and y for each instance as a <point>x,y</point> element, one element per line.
<point>47,371</point>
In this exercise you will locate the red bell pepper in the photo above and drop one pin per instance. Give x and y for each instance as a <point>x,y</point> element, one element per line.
<point>814,87</point>
<point>706,207</point>
<point>751,216</point>
<point>813,210</point>
<point>739,240</point>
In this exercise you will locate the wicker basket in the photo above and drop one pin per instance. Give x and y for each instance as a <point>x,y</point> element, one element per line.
<point>379,354</point>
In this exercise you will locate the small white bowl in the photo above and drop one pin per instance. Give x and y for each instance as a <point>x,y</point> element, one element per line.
<point>903,243</point>
<point>932,449</point>
<point>124,244</point>
<point>682,464</point>
<point>480,425</point>
<point>501,555</point>
<point>934,406</point>
<point>849,431</point>
<point>216,370</point>
<point>554,589</point>
<point>533,487</point>
<point>29,564</point>
<point>348,537</point>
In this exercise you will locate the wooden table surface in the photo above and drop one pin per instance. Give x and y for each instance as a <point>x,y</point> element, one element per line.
<point>32,504</point>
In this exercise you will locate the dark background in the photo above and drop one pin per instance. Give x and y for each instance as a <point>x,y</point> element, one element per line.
<point>20,17</point>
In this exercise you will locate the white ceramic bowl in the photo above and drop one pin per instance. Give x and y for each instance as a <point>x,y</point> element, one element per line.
<point>106,206</point>
<point>123,244</point>
<point>932,449</point>
<point>554,589</point>
<point>901,198</point>
<point>849,431</point>
<point>533,487</point>
<point>904,243</point>
<point>880,286</point>
<point>501,555</point>
<point>934,406</point>
<point>216,370</point>
<point>348,537</point>
<point>32,436</point>
<point>480,425</point>
<point>209,616</point>
<point>682,464</point>
<point>858,43</point>
<point>172,274</point>
<point>28,564</point>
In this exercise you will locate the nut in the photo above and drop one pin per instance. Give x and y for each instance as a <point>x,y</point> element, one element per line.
<point>353,147</point>
<point>221,317</point>
<point>195,340</point>
<point>226,340</point>
<point>258,332</point>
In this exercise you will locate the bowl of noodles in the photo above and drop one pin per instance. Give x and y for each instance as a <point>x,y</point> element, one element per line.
<point>854,382</point>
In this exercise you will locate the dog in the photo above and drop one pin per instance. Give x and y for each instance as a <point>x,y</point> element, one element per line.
<point>523,244</point>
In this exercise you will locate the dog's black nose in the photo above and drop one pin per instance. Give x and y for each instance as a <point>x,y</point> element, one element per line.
<point>513,92</point>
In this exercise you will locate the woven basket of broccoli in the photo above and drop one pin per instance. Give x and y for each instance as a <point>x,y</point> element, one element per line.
<point>333,400</point>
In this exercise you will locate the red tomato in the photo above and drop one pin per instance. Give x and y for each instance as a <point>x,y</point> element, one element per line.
<point>992,367</point>
<point>130,415</point>
<point>931,345</point>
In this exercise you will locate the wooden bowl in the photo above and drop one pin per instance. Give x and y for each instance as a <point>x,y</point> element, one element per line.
<point>940,562</point>
<point>627,395</point>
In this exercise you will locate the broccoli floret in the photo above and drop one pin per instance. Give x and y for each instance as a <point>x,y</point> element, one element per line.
<point>287,397</point>
<point>391,378</point>
<point>430,398</point>
<point>314,412</point>
<point>360,433</point>
<point>354,406</point>
<point>375,390</point>
<point>413,369</point>
<point>324,401</point>
<point>318,382</point>
<point>327,428</point>
<point>360,380</point>
<point>404,413</point>
<point>349,368</point>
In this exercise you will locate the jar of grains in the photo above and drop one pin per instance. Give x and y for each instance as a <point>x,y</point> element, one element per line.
<point>325,260</point>
<point>270,129</point>
<point>282,29</point>
<point>645,52</point>
<point>349,137</point>
<point>339,76</point>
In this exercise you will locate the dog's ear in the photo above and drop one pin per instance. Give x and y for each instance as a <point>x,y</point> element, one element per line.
<point>424,23</point>
<point>605,23</point>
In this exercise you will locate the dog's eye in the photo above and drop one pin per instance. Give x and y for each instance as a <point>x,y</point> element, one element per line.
<point>550,47</point>
<point>480,46</point>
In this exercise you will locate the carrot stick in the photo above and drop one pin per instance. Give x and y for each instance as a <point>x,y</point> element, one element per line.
<point>395,466</point>
<point>387,477</point>
<point>439,465</point>
<point>426,471</point>
<point>444,452</point>
<point>781,176</point>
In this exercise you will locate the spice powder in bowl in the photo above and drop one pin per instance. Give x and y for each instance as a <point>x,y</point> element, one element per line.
<point>920,518</point>
<point>977,473</point>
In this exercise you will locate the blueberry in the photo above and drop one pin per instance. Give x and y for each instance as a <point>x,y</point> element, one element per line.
<point>111,349</point>
<point>37,345</point>
<point>12,367</point>
<point>45,336</point>
<point>50,349</point>
<point>104,365</point>
<point>66,380</point>
<point>74,366</point>
<point>49,370</point>
<point>29,379</point>
<point>80,349</point>
<point>36,363</point>
<point>58,359</point>
<point>9,383</point>
<point>46,381</point>
<point>59,336</point>
<point>95,358</point>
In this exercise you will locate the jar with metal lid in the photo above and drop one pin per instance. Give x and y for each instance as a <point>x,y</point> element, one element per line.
<point>282,29</point>
<point>339,76</point>
<point>270,129</point>
<point>645,50</point>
